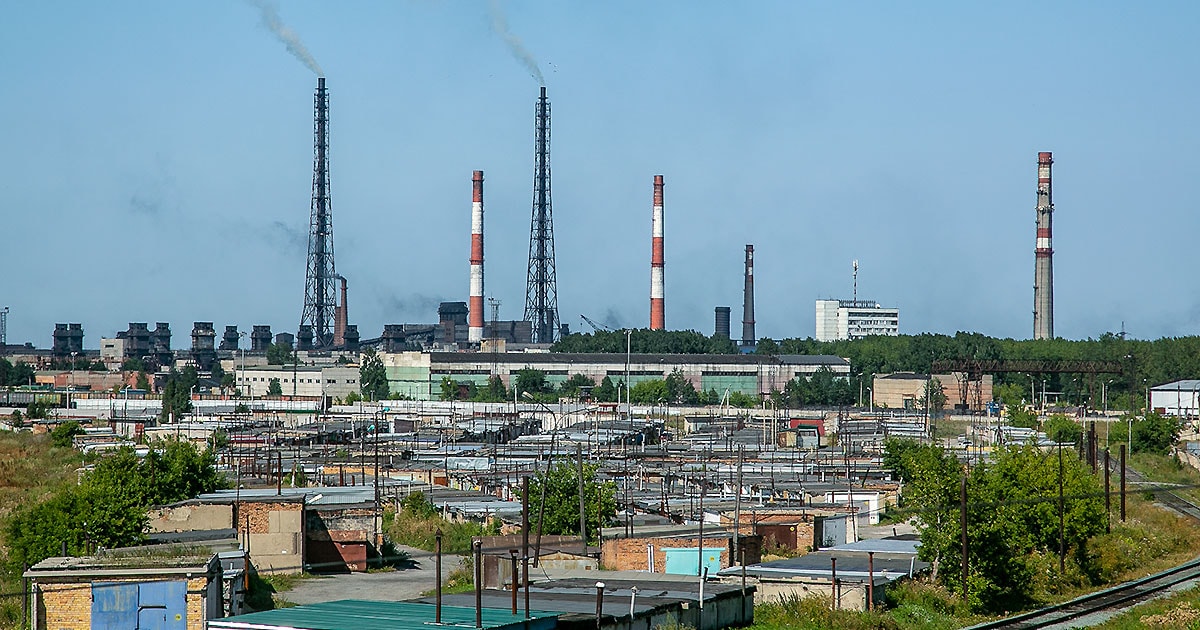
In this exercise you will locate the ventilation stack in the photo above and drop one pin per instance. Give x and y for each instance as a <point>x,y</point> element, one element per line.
<point>657,318</point>
<point>721,323</point>
<point>1043,274</point>
<point>748,300</point>
<point>475,327</point>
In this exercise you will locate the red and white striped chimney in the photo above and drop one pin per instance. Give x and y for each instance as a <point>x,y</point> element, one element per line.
<point>656,259</point>
<point>475,307</point>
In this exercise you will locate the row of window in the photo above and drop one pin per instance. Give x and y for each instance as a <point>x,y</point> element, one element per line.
<point>256,379</point>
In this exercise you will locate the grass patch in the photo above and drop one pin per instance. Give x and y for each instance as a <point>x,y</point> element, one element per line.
<point>1181,610</point>
<point>1168,469</point>
<point>460,580</point>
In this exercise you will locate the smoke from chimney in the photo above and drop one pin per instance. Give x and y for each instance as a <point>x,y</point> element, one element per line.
<point>657,280</point>
<point>514,43</point>
<point>269,13</point>
<point>475,306</point>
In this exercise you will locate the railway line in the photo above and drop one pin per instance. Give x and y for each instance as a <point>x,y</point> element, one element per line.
<point>1116,598</point>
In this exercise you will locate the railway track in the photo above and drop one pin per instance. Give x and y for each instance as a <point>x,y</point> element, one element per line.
<point>1118,597</point>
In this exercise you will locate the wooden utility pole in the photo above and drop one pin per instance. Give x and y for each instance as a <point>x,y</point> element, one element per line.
<point>1107,490</point>
<point>582,504</point>
<point>1062,548</point>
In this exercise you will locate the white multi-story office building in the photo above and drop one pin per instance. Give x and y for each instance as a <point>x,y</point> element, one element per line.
<point>854,319</point>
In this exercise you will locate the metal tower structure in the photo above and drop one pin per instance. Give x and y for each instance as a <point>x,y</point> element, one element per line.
<point>1043,274</point>
<point>320,281</point>
<point>541,287</point>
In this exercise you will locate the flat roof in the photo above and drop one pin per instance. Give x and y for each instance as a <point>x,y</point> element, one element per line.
<point>354,614</point>
<point>616,357</point>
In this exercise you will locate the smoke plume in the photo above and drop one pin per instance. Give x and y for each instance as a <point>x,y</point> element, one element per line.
<point>515,45</point>
<point>270,19</point>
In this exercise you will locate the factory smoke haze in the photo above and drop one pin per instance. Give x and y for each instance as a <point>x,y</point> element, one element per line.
<point>269,12</point>
<point>514,43</point>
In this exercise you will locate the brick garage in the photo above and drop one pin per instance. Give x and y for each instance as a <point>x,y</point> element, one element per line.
<point>64,590</point>
<point>338,537</point>
<point>630,554</point>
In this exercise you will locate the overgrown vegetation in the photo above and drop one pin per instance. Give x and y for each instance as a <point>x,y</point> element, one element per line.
<point>417,522</point>
<point>108,507</point>
<point>561,492</point>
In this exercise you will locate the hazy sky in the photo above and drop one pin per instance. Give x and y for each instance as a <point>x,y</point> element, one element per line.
<point>157,161</point>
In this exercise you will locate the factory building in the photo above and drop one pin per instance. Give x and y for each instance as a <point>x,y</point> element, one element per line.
<point>1180,398</point>
<point>333,381</point>
<point>855,319</point>
<point>418,375</point>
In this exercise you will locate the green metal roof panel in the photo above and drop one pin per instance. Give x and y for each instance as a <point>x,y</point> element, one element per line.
<point>354,614</point>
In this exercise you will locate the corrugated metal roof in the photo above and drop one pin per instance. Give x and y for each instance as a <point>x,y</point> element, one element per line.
<point>352,614</point>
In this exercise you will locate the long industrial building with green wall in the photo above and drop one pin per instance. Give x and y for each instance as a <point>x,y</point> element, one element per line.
<point>418,375</point>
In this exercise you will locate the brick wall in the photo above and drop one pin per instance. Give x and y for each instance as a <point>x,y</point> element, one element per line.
<point>67,604</point>
<point>629,554</point>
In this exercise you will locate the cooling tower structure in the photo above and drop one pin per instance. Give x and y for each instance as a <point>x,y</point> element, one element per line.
<point>475,306</point>
<point>320,288</point>
<point>748,300</point>
<point>1043,271</point>
<point>657,271</point>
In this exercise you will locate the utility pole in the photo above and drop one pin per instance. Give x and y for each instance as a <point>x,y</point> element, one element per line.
<point>582,503</point>
<point>1062,548</point>
<point>963,514</point>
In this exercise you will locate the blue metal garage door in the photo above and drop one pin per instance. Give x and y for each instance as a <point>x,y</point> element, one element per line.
<point>684,560</point>
<point>139,605</point>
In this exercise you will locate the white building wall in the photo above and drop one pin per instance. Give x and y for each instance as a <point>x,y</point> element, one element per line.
<point>827,321</point>
<point>844,319</point>
<point>1181,399</point>
<point>334,382</point>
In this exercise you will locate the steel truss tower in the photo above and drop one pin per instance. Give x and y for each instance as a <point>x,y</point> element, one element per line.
<point>541,287</point>
<point>320,280</point>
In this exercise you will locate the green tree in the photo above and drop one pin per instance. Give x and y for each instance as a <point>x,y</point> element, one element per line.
<point>934,394</point>
<point>177,393</point>
<point>767,346</point>
<point>649,392</point>
<point>1155,434</point>
<point>1062,429</point>
<point>108,508</point>
<point>372,376</point>
<point>1012,517</point>
<point>562,499</point>
<point>605,391</point>
<point>143,383</point>
<point>279,354</point>
<point>494,391</point>
<point>133,365</point>
<point>448,389</point>
<point>570,387</point>
<point>680,390</point>
<point>534,382</point>
<point>63,435</point>
<point>274,388</point>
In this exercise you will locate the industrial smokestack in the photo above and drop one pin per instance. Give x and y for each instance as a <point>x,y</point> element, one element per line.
<point>657,321</point>
<point>1043,275</point>
<point>721,323</point>
<point>341,316</point>
<point>475,324</point>
<point>748,300</point>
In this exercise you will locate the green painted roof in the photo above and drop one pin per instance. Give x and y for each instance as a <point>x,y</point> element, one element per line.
<point>355,614</point>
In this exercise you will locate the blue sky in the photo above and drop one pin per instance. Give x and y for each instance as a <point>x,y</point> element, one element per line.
<point>158,160</point>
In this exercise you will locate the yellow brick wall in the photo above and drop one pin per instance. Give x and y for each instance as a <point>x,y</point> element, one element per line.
<point>66,605</point>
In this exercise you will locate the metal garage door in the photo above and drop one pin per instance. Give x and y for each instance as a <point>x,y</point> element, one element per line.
<point>139,605</point>
<point>683,561</point>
